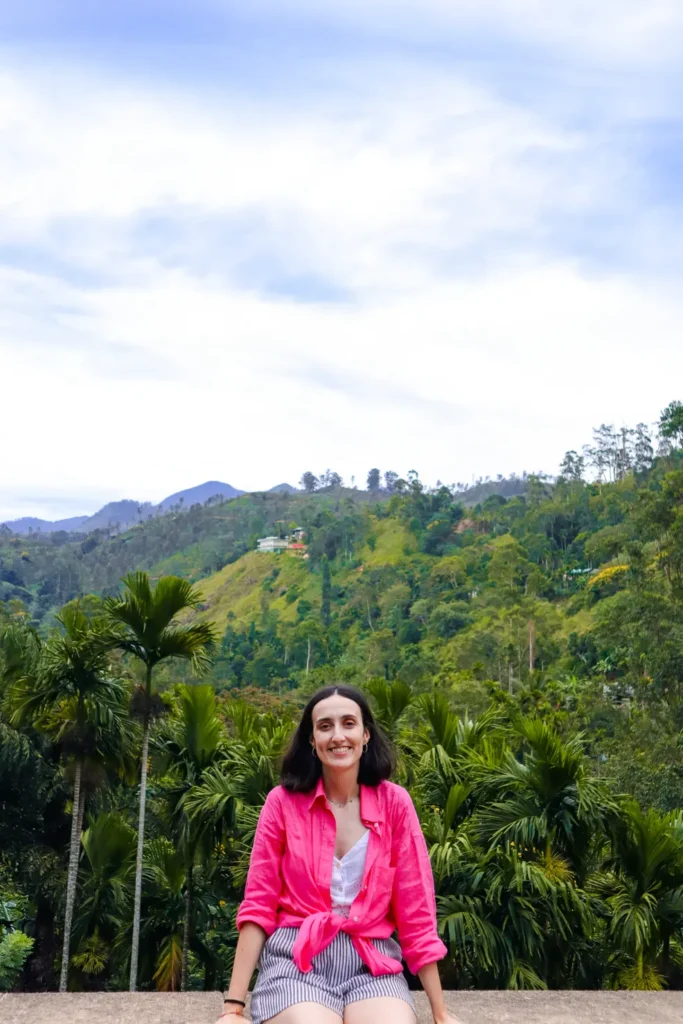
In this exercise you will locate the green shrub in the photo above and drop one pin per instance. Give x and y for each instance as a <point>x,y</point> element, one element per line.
<point>14,950</point>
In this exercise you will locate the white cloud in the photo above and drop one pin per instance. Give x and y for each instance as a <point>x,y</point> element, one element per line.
<point>615,30</point>
<point>469,342</point>
<point>426,160</point>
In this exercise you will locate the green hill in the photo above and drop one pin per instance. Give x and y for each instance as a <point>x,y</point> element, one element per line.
<point>571,580</point>
<point>47,570</point>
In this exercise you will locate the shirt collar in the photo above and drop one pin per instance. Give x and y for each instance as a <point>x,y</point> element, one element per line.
<point>370,809</point>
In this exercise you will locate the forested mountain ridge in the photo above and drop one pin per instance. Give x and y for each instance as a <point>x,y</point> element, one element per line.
<point>45,571</point>
<point>523,654</point>
<point>187,533</point>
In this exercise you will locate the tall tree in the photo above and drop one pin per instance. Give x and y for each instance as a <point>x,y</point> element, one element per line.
<point>390,479</point>
<point>330,479</point>
<point>152,633</point>
<point>191,741</point>
<point>643,452</point>
<point>309,482</point>
<point>573,466</point>
<point>374,481</point>
<point>671,424</point>
<point>68,693</point>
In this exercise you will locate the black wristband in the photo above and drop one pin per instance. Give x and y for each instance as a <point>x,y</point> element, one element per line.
<point>240,1002</point>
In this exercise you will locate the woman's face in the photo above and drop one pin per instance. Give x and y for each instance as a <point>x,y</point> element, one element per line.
<point>338,732</point>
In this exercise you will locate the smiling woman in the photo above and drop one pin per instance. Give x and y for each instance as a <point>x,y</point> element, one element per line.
<point>336,844</point>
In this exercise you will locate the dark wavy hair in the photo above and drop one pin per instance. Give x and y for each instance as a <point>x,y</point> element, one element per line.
<point>301,769</point>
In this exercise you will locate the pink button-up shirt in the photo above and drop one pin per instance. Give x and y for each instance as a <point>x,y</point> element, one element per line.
<point>290,871</point>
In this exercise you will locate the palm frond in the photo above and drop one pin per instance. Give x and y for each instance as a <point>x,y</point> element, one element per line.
<point>472,938</point>
<point>213,800</point>
<point>169,965</point>
<point>523,977</point>
<point>193,643</point>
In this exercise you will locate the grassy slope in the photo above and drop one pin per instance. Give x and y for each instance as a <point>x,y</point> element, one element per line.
<point>393,543</point>
<point>238,588</point>
<point>186,563</point>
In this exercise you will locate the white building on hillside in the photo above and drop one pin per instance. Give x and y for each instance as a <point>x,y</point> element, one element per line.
<point>272,544</point>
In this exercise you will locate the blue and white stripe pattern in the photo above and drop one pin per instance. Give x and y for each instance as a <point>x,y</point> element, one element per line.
<point>339,976</point>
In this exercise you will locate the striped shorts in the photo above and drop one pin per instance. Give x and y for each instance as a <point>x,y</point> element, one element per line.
<point>338,977</point>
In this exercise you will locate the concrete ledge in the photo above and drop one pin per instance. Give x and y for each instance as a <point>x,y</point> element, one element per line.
<point>470,1007</point>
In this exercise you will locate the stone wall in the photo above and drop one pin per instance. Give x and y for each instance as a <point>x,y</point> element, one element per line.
<point>470,1007</point>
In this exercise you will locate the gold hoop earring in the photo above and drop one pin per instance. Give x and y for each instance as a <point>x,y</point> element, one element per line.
<point>365,747</point>
<point>314,752</point>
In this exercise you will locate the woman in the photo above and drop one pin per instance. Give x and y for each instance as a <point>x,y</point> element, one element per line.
<point>338,864</point>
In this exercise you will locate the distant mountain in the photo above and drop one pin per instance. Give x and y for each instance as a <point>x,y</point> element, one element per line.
<point>28,523</point>
<point>200,494</point>
<point>283,489</point>
<point>125,513</point>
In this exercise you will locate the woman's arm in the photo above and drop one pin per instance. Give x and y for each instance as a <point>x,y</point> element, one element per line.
<point>431,983</point>
<point>251,941</point>
<point>264,878</point>
<point>414,906</point>
<point>413,900</point>
<point>257,913</point>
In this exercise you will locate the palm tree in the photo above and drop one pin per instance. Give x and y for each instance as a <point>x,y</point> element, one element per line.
<point>445,746</point>
<point>191,741</point>
<point>65,691</point>
<point>391,702</point>
<point>109,847</point>
<point>252,758</point>
<point>228,797</point>
<point>541,818</point>
<point>165,881</point>
<point>507,838</point>
<point>151,632</point>
<point>545,798</point>
<point>643,890</point>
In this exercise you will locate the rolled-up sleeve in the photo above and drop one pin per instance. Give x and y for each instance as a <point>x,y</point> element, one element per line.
<point>264,878</point>
<point>413,898</point>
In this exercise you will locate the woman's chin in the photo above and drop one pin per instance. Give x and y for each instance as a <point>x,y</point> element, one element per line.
<point>341,763</point>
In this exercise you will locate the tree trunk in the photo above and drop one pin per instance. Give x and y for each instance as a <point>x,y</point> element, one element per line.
<point>186,928</point>
<point>308,656</point>
<point>81,811</point>
<point>135,944</point>
<point>72,876</point>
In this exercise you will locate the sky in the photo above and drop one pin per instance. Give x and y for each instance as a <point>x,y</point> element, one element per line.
<point>242,241</point>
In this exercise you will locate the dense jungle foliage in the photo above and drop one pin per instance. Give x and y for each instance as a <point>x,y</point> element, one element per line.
<point>524,653</point>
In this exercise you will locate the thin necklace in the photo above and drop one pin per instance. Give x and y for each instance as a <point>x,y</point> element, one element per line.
<point>337,804</point>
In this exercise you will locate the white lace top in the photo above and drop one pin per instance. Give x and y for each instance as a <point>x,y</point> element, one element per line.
<point>347,876</point>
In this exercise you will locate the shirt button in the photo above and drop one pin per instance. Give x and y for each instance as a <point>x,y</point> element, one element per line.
<point>355,917</point>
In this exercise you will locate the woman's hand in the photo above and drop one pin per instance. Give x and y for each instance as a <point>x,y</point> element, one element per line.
<point>447,1018</point>
<point>234,1010</point>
